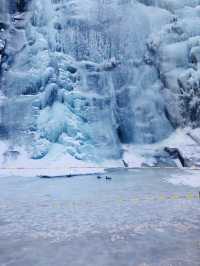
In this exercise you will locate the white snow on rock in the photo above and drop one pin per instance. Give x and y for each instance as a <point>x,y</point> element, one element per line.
<point>145,155</point>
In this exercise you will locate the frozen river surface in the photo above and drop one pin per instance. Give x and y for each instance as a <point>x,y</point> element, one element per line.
<point>136,219</point>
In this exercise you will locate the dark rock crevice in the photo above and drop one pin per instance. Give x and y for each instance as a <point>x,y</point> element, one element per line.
<point>176,154</point>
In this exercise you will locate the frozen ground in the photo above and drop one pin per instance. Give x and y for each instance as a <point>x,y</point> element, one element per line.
<point>139,218</point>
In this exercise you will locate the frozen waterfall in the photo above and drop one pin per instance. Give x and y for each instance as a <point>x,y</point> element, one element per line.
<point>80,74</point>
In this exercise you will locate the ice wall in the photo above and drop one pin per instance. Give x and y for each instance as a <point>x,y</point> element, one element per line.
<point>92,75</point>
<point>175,51</point>
<point>53,98</point>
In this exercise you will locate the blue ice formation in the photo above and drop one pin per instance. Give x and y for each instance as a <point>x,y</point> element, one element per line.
<point>94,75</point>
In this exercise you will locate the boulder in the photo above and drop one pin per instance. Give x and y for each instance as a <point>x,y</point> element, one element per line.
<point>176,154</point>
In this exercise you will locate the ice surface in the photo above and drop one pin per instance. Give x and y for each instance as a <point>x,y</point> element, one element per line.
<point>191,178</point>
<point>136,218</point>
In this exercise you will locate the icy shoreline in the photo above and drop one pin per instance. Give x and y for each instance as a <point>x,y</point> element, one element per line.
<point>58,163</point>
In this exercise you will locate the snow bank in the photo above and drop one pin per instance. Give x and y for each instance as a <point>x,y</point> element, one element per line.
<point>56,163</point>
<point>59,162</point>
<point>145,155</point>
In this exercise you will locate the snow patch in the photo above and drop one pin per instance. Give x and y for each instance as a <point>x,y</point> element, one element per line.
<point>188,178</point>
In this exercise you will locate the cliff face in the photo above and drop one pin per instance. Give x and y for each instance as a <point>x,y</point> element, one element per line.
<point>93,75</point>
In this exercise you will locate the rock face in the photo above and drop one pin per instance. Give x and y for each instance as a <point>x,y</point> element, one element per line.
<point>2,48</point>
<point>176,154</point>
<point>92,75</point>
